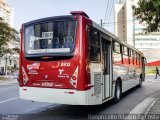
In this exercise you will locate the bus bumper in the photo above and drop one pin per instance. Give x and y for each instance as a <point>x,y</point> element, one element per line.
<point>60,96</point>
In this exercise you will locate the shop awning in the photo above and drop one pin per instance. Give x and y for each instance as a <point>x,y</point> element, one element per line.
<point>155,63</point>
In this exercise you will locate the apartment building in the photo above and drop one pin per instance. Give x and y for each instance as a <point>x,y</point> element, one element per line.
<point>6,12</point>
<point>8,62</point>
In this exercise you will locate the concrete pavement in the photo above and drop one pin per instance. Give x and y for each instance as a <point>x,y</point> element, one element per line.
<point>149,109</point>
<point>153,110</point>
<point>154,107</point>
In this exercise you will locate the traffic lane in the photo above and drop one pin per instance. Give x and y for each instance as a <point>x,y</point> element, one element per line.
<point>5,82</point>
<point>129,100</point>
<point>63,112</point>
<point>11,103</point>
<point>9,92</point>
<point>72,112</point>
<point>8,83</point>
<point>133,97</point>
<point>19,106</point>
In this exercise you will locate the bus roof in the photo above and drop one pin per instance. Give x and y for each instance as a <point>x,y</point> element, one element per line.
<point>64,17</point>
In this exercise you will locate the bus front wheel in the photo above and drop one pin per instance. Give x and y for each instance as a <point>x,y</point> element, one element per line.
<point>118,92</point>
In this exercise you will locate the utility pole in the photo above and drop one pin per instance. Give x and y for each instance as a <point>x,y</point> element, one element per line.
<point>133,28</point>
<point>101,23</point>
<point>6,65</point>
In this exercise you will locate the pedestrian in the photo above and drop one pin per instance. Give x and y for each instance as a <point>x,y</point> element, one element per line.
<point>157,72</point>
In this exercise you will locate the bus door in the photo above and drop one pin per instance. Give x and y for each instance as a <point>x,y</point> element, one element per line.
<point>106,65</point>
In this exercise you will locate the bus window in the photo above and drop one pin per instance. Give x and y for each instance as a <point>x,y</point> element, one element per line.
<point>130,56</point>
<point>133,57</point>
<point>94,45</point>
<point>125,55</point>
<point>117,57</point>
<point>125,51</point>
<point>117,47</point>
<point>50,37</point>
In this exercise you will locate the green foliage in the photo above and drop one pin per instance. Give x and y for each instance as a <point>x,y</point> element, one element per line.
<point>148,11</point>
<point>6,34</point>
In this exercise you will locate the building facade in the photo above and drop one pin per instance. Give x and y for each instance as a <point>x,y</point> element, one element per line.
<point>8,62</point>
<point>128,28</point>
<point>6,12</point>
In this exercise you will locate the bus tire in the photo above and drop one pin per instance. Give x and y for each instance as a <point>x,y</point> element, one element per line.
<point>140,81</point>
<point>118,92</point>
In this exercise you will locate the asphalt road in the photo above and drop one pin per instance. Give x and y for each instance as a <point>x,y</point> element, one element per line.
<point>11,106</point>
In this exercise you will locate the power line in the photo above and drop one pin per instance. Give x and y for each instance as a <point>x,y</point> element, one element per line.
<point>109,9</point>
<point>108,1</point>
<point>120,22</point>
<point>112,6</point>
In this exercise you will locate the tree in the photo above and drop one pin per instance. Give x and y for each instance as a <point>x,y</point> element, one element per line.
<point>148,11</point>
<point>6,34</point>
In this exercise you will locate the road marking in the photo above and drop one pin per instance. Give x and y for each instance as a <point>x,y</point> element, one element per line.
<point>8,100</point>
<point>8,88</point>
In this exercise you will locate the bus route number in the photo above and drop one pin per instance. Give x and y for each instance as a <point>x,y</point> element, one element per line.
<point>47,35</point>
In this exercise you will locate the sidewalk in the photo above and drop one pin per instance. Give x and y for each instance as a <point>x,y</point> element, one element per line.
<point>153,111</point>
<point>155,107</point>
<point>5,80</point>
<point>3,77</point>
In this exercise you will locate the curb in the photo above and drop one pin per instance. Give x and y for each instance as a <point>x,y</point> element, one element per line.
<point>150,106</point>
<point>144,107</point>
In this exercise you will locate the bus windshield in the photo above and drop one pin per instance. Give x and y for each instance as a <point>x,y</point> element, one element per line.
<point>50,37</point>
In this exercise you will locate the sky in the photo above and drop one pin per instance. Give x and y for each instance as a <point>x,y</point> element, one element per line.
<point>27,10</point>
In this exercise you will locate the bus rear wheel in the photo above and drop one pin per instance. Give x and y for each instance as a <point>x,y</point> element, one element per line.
<point>118,92</point>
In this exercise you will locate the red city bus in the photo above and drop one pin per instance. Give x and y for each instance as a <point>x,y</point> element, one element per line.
<point>72,60</point>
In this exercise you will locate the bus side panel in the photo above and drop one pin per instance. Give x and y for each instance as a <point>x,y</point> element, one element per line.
<point>82,82</point>
<point>84,63</point>
<point>88,71</point>
<point>127,69</point>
